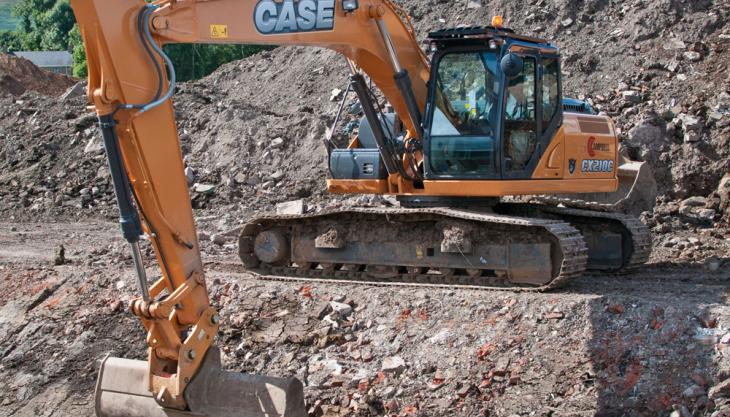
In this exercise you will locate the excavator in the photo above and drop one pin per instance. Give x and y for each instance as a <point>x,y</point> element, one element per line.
<point>500,182</point>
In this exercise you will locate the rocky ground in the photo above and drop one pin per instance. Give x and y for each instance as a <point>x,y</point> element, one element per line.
<point>656,342</point>
<point>651,343</point>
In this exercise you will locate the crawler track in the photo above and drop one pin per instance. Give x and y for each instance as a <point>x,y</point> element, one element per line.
<point>639,234</point>
<point>568,249</point>
<point>587,212</point>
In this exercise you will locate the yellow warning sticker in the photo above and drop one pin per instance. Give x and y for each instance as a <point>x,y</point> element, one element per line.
<point>219,31</point>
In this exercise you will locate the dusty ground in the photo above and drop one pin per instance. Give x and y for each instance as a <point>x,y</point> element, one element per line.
<point>652,343</point>
<point>607,345</point>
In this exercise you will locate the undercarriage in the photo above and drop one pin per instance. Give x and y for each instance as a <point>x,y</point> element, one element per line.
<point>524,247</point>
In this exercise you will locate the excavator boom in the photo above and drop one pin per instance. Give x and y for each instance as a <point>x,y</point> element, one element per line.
<point>131,82</point>
<point>483,120</point>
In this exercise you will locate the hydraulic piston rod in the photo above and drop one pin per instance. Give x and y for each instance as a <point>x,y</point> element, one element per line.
<point>402,79</point>
<point>128,217</point>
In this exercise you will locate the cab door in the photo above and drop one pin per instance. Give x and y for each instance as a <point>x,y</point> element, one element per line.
<point>530,113</point>
<point>462,115</point>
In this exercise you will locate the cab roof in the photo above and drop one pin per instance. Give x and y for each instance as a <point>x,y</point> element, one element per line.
<point>469,34</point>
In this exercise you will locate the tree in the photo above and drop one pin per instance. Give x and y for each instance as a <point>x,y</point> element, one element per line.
<point>76,45</point>
<point>44,24</point>
<point>9,41</point>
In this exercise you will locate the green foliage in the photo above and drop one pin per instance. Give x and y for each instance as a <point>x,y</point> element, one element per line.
<point>79,53</point>
<point>44,25</point>
<point>9,41</point>
<point>50,25</point>
<point>7,21</point>
<point>193,61</point>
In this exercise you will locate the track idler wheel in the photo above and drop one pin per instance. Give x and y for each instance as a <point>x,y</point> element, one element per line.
<point>272,247</point>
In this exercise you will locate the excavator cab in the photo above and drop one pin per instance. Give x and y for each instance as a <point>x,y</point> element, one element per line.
<point>479,122</point>
<point>495,112</point>
<point>493,104</point>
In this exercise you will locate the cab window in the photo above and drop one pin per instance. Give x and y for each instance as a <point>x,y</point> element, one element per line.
<point>520,127</point>
<point>550,92</point>
<point>463,119</point>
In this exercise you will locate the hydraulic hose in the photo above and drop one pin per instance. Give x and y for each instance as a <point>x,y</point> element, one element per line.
<point>141,16</point>
<point>168,63</point>
<point>149,42</point>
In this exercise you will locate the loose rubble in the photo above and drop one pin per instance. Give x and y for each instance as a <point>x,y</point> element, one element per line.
<point>656,342</point>
<point>651,342</point>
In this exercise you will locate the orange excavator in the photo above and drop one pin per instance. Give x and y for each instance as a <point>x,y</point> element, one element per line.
<point>474,128</point>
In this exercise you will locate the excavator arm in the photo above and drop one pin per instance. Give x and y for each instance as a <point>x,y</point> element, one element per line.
<point>130,85</point>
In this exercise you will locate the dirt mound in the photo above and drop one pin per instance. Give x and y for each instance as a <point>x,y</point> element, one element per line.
<point>17,75</point>
<point>258,124</point>
<point>253,131</point>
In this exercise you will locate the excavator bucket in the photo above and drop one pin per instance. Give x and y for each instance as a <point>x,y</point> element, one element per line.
<point>637,190</point>
<point>636,193</point>
<point>121,391</point>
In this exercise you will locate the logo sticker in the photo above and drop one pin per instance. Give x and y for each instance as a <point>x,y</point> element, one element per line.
<point>596,165</point>
<point>571,166</point>
<point>594,146</point>
<point>272,17</point>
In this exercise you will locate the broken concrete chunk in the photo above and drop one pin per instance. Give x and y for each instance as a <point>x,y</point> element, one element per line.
<point>502,366</point>
<point>240,178</point>
<point>190,176</point>
<point>74,91</point>
<point>335,94</point>
<point>631,96</point>
<point>693,391</point>
<point>692,56</point>
<point>696,201</point>
<point>277,143</point>
<point>720,390</point>
<point>278,175</point>
<point>291,207</point>
<point>674,44</point>
<point>94,145</point>
<point>204,188</point>
<point>393,364</point>
<point>690,122</point>
<point>342,309</point>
